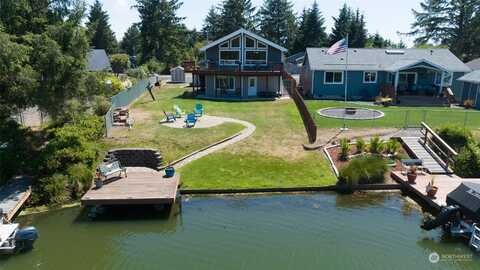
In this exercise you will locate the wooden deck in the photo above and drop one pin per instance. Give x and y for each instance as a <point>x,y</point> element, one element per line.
<point>445,184</point>
<point>13,196</point>
<point>142,186</point>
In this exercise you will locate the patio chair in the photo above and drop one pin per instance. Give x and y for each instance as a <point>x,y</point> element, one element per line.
<point>112,168</point>
<point>178,111</point>
<point>190,120</point>
<point>198,110</point>
<point>170,117</point>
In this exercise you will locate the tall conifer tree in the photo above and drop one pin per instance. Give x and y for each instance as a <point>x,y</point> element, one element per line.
<point>98,29</point>
<point>277,22</point>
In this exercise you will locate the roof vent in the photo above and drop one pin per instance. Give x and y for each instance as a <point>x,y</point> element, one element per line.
<point>395,52</point>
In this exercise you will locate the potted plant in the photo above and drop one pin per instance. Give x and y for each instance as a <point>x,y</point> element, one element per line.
<point>169,171</point>
<point>412,174</point>
<point>431,189</point>
<point>98,180</point>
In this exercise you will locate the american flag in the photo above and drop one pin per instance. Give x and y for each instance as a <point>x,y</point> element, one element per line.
<point>339,47</point>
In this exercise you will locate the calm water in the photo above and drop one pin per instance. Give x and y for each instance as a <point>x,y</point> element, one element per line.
<point>325,231</point>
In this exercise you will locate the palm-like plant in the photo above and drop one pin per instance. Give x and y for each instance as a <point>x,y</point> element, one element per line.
<point>344,149</point>
<point>361,145</point>
<point>376,145</point>
<point>392,146</point>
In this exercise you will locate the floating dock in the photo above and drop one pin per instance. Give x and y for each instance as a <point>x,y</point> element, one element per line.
<point>142,186</point>
<point>13,196</point>
<point>445,184</point>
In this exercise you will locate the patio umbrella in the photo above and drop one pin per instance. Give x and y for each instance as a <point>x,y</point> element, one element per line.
<point>467,196</point>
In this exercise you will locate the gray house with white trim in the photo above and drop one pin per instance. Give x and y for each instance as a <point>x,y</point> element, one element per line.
<point>403,71</point>
<point>240,65</point>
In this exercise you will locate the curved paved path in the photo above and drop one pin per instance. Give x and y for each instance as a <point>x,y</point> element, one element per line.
<point>245,133</point>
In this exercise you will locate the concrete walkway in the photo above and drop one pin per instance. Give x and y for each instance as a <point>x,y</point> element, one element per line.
<point>245,133</point>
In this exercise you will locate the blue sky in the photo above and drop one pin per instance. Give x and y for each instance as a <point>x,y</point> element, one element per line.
<point>383,16</point>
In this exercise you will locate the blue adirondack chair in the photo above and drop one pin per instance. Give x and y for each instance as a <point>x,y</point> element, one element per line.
<point>198,110</point>
<point>191,120</point>
<point>178,111</point>
<point>170,117</point>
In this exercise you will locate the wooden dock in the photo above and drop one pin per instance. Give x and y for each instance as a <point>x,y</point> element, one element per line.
<point>13,196</point>
<point>142,186</point>
<point>445,184</point>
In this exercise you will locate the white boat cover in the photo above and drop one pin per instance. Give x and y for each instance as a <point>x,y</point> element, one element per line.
<point>6,230</point>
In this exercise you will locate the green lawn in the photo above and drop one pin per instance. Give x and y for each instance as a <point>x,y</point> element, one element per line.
<point>398,117</point>
<point>272,157</point>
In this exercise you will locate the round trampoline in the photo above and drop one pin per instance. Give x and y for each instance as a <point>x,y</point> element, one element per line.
<point>351,113</point>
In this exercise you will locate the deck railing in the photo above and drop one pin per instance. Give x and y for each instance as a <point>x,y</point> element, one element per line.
<point>237,66</point>
<point>444,151</point>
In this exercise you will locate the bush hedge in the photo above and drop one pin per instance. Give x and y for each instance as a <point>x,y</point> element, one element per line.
<point>455,136</point>
<point>364,170</point>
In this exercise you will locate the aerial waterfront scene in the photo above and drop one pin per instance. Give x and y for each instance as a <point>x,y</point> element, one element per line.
<point>239,134</point>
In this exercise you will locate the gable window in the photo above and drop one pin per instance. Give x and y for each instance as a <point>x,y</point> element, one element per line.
<point>256,57</point>
<point>333,77</point>
<point>235,42</point>
<point>224,45</point>
<point>369,77</point>
<point>261,45</point>
<point>225,83</point>
<point>249,42</point>
<point>229,57</point>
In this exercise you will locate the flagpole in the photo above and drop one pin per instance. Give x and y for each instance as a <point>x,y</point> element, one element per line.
<point>346,90</point>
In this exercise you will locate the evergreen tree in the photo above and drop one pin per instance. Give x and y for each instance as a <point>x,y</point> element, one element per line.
<point>300,39</point>
<point>212,26</point>
<point>162,34</point>
<point>448,22</point>
<point>342,24</point>
<point>358,33</point>
<point>130,43</point>
<point>311,32</point>
<point>277,22</point>
<point>99,32</point>
<point>237,14</point>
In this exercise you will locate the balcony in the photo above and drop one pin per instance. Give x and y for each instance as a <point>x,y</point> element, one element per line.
<point>236,68</point>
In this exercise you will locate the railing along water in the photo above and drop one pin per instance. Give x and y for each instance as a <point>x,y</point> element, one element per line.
<point>438,145</point>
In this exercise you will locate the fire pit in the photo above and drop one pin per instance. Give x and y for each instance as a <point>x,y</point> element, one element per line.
<point>351,113</point>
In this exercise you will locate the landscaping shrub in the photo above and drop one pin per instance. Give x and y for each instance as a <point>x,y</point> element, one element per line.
<point>467,163</point>
<point>455,136</point>
<point>154,66</point>
<point>361,145</point>
<point>364,170</point>
<point>138,73</point>
<point>469,103</point>
<point>101,105</point>
<point>344,149</point>
<point>79,179</point>
<point>392,146</point>
<point>376,145</point>
<point>120,63</point>
<point>54,189</point>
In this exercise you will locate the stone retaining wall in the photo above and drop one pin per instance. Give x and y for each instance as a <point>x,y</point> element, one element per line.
<point>136,157</point>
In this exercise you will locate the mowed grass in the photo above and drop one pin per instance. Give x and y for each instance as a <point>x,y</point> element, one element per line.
<point>397,117</point>
<point>272,157</point>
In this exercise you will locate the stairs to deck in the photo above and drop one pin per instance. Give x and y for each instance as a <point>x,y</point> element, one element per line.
<point>431,162</point>
<point>475,239</point>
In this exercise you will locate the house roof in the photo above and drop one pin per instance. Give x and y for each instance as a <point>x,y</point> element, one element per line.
<point>296,58</point>
<point>238,32</point>
<point>474,64</point>
<point>472,77</point>
<point>384,59</point>
<point>97,60</point>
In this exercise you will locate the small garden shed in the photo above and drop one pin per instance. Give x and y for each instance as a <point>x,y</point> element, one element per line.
<point>178,74</point>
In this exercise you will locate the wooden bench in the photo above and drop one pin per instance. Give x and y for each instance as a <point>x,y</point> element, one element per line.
<point>112,168</point>
<point>413,162</point>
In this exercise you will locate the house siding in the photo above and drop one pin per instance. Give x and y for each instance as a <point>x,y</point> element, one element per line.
<point>357,90</point>
<point>470,91</point>
<point>274,84</point>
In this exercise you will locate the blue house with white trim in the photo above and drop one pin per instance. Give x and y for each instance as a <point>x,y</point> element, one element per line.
<point>471,88</point>
<point>411,72</point>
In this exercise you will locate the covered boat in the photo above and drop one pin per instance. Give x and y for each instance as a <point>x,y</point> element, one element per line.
<point>467,197</point>
<point>13,239</point>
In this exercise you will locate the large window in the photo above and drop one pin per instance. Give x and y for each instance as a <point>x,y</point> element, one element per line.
<point>369,77</point>
<point>229,57</point>
<point>333,77</point>
<point>235,42</point>
<point>256,57</point>
<point>249,42</point>
<point>225,83</point>
<point>447,79</point>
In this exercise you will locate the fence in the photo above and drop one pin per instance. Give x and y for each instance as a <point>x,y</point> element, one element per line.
<point>124,99</point>
<point>397,117</point>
